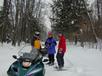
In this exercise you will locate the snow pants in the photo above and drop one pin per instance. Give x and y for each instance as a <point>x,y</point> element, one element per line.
<point>51,58</point>
<point>60,59</point>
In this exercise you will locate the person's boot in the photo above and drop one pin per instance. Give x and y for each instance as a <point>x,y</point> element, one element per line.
<point>52,63</point>
<point>60,67</point>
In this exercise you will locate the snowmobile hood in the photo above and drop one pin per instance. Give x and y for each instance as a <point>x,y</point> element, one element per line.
<point>36,69</point>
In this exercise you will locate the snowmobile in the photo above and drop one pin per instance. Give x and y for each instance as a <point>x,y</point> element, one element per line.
<point>27,64</point>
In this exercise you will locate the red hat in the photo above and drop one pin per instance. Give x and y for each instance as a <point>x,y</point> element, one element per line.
<point>49,33</point>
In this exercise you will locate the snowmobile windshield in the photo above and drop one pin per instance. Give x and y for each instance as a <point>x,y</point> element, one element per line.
<point>28,52</point>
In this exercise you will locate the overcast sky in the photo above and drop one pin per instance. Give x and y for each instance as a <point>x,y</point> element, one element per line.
<point>1,2</point>
<point>91,1</point>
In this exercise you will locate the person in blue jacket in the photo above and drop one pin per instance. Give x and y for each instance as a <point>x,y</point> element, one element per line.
<point>50,44</point>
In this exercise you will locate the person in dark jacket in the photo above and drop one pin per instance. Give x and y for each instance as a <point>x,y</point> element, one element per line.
<point>61,51</point>
<point>50,44</point>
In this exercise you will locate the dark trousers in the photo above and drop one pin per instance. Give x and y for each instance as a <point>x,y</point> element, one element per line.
<point>76,40</point>
<point>60,59</point>
<point>51,58</point>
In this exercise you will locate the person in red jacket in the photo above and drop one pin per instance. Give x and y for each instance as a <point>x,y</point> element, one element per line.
<point>61,51</point>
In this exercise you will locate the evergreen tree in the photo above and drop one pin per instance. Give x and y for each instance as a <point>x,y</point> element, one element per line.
<point>67,15</point>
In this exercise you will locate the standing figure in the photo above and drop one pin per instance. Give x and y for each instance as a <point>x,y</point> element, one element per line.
<point>76,38</point>
<point>50,45</point>
<point>36,42</point>
<point>61,51</point>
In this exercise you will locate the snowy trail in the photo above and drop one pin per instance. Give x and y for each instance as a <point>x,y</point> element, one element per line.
<point>78,61</point>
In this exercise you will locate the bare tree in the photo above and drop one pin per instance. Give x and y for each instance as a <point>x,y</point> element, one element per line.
<point>21,19</point>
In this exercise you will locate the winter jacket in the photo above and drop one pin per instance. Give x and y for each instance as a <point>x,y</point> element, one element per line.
<point>62,44</point>
<point>36,43</point>
<point>50,45</point>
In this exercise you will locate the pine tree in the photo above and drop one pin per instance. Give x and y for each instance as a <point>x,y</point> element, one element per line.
<point>67,15</point>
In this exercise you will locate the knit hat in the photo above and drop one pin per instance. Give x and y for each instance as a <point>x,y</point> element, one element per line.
<point>37,33</point>
<point>49,33</point>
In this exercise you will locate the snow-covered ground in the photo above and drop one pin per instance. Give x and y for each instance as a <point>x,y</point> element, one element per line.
<point>78,61</point>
